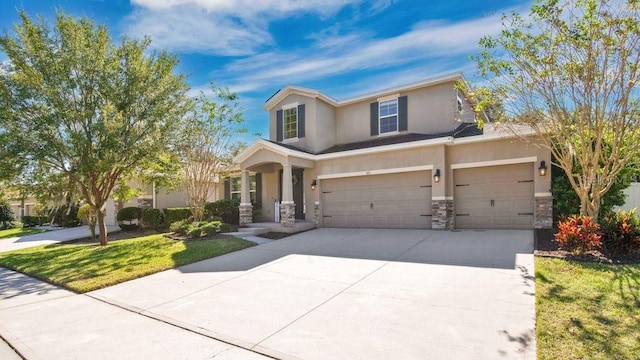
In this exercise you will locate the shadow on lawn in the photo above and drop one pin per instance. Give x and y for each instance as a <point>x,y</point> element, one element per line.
<point>608,321</point>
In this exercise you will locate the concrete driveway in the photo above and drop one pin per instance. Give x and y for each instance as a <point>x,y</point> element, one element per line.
<point>356,294</point>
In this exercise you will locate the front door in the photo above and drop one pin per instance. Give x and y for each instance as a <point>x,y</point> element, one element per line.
<point>298,191</point>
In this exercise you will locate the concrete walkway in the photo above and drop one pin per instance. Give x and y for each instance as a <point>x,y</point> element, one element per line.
<point>50,237</point>
<point>322,294</point>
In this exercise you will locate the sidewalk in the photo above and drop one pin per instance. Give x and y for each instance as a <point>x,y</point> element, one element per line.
<point>49,237</point>
<point>42,321</point>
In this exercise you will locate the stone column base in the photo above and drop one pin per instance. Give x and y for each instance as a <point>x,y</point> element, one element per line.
<point>316,213</point>
<point>442,215</point>
<point>246,214</point>
<point>543,212</point>
<point>287,214</point>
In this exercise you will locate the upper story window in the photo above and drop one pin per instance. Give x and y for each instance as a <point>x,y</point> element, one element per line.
<point>459,104</point>
<point>388,113</point>
<point>290,128</point>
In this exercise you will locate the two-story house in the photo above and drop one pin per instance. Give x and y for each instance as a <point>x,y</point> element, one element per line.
<point>406,157</point>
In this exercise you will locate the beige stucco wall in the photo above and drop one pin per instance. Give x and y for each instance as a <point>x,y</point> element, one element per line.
<point>500,150</point>
<point>430,110</point>
<point>325,126</point>
<point>308,141</point>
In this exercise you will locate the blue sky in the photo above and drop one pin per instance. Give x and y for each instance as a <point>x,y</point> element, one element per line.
<point>255,47</point>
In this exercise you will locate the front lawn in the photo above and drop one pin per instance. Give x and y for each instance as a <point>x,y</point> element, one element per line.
<point>89,267</point>
<point>587,310</point>
<point>10,233</point>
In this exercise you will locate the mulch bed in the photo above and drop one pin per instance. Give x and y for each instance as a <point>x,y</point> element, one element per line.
<point>546,246</point>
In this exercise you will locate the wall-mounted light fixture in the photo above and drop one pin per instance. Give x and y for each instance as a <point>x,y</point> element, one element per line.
<point>436,176</point>
<point>542,170</point>
<point>314,183</point>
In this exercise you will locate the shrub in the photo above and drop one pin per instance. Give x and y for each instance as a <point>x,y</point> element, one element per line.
<point>172,215</point>
<point>179,227</point>
<point>226,209</point>
<point>6,215</point>
<point>621,233</point>
<point>66,215</point>
<point>196,229</point>
<point>17,225</point>
<point>225,228</point>
<point>578,234</point>
<point>129,214</point>
<point>30,221</point>
<point>88,214</point>
<point>152,218</point>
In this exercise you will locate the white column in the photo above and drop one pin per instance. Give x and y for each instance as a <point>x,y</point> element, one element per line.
<point>245,188</point>
<point>287,185</point>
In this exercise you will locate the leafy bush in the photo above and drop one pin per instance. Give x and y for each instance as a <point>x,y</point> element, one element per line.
<point>66,215</point>
<point>196,229</point>
<point>578,234</point>
<point>129,214</point>
<point>227,209</point>
<point>30,221</point>
<point>172,215</point>
<point>179,227</point>
<point>88,214</point>
<point>225,228</point>
<point>152,218</point>
<point>6,215</point>
<point>17,225</point>
<point>621,233</point>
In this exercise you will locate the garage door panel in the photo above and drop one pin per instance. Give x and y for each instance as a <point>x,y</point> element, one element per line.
<point>494,197</point>
<point>400,200</point>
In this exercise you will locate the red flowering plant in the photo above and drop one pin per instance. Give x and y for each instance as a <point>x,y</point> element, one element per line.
<point>578,234</point>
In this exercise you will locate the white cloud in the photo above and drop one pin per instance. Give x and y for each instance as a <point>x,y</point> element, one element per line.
<point>221,27</point>
<point>336,54</point>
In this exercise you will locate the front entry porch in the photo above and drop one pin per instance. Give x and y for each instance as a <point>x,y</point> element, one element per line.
<point>283,183</point>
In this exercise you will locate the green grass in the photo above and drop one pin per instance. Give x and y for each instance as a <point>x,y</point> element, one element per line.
<point>587,310</point>
<point>89,267</point>
<point>9,233</point>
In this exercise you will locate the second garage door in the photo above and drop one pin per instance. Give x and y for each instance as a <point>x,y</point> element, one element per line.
<point>497,197</point>
<point>400,200</point>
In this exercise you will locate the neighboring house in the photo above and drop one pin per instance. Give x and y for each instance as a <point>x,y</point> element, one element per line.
<point>406,157</point>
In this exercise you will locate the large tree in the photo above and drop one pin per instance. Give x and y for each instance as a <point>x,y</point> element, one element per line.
<point>571,71</point>
<point>81,105</point>
<point>209,141</point>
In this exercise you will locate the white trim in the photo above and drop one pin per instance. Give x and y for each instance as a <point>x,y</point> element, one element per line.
<point>438,198</point>
<point>543,194</point>
<point>388,97</point>
<point>287,202</point>
<point>530,159</point>
<point>376,172</point>
<point>390,133</point>
<point>290,106</point>
<point>246,204</point>
<point>290,140</point>
<point>262,144</point>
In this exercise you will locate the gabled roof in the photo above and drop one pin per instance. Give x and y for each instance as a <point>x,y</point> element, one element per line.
<point>291,89</point>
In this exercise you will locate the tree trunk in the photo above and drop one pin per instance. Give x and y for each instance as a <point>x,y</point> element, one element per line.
<point>103,228</point>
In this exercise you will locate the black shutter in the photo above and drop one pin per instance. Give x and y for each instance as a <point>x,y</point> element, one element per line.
<point>374,119</point>
<point>259,189</point>
<point>402,113</point>
<point>301,121</point>
<point>279,125</point>
<point>227,188</point>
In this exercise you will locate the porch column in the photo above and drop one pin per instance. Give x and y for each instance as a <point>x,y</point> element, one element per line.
<point>287,206</point>
<point>246,209</point>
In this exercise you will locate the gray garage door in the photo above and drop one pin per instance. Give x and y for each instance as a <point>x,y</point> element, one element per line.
<point>497,197</point>
<point>401,200</point>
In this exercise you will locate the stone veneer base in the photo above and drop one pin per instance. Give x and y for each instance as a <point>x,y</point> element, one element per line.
<point>288,214</point>
<point>543,212</point>
<point>246,214</point>
<point>442,214</point>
